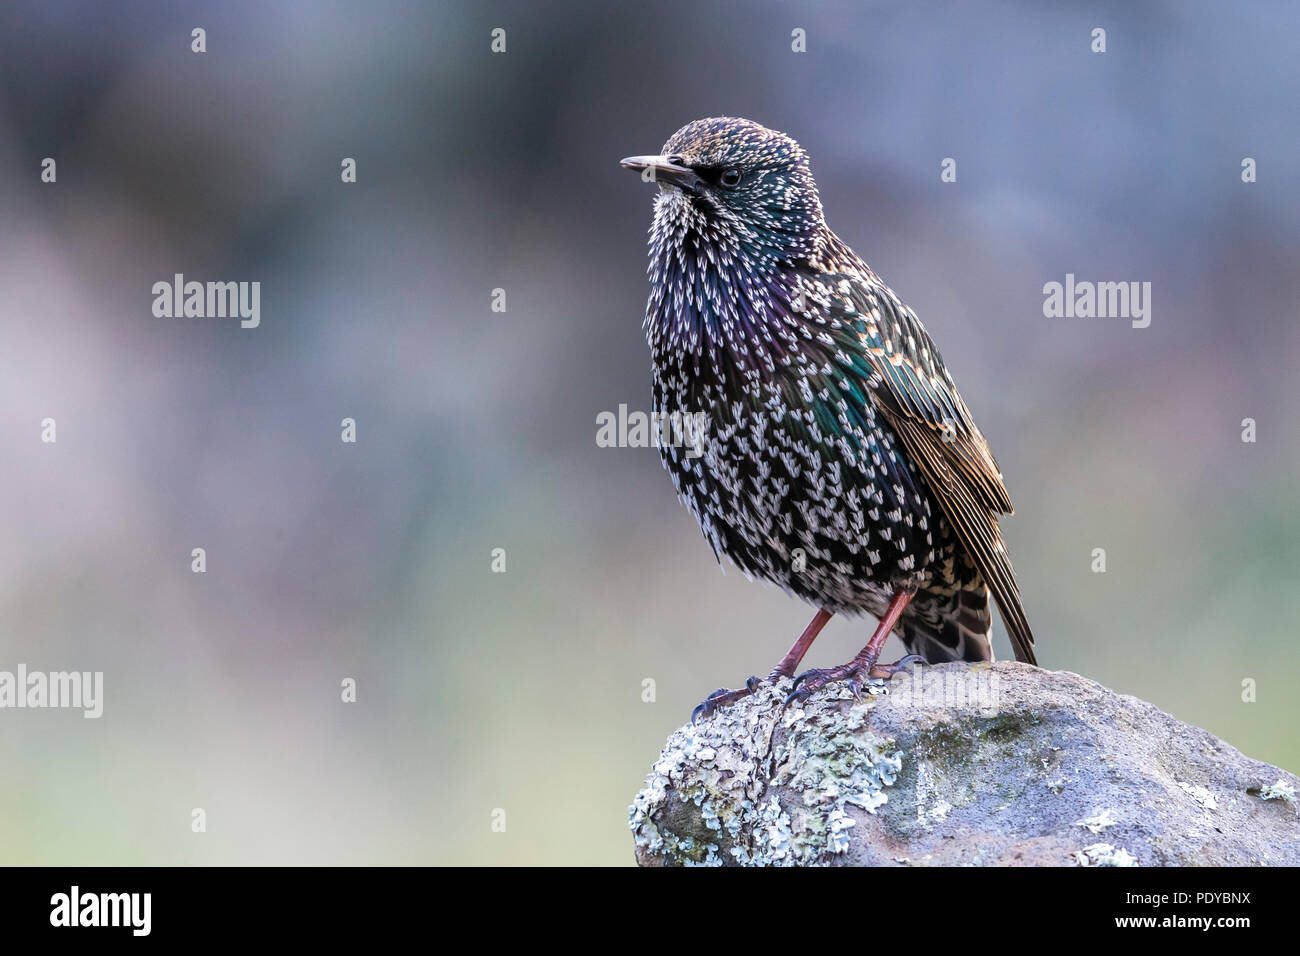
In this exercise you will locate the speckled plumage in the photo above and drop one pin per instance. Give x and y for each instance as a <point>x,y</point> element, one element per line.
<point>839,461</point>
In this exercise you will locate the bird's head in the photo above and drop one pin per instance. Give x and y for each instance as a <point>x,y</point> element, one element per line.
<point>725,180</point>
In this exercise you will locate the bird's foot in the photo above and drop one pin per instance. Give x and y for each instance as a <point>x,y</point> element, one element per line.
<point>722,697</point>
<point>784,670</point>
<point>855,672</point>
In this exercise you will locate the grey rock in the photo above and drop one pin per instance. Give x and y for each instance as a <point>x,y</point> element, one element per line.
<point>1000,764</point>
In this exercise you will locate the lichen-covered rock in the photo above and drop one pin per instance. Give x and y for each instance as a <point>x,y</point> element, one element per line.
<point>999,764</point>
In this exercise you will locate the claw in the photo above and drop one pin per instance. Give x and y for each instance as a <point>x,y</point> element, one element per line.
<point>799,692</point>
<point>707,706</point>
<point>889,670</point>
<point>722,697</point>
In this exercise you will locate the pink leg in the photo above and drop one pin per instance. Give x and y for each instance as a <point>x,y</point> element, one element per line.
<point>786,668</point>
<point>864,664</point>
<point>800,647</point>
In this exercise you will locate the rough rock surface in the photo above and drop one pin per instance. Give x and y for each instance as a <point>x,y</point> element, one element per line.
<point>999,764</point>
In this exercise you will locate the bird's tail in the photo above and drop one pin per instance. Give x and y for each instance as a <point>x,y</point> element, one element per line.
<point>953,625</point>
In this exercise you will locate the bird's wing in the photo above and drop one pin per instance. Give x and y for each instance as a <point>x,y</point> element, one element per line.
<point>914,384</point>
<point>909,384</point>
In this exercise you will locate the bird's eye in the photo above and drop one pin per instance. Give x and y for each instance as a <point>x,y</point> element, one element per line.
<point>676,160</point>
<point>730,178</point>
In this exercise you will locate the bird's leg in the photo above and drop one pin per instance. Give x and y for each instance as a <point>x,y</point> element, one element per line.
<point>723,697</point>
<point>864,665</point>
<point>799,648</point>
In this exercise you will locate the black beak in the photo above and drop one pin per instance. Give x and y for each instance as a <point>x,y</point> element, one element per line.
<point>659,169</point>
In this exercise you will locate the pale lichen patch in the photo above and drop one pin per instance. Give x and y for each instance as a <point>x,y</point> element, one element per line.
<point>1201,795</point>
<point>825,764</point>
<point>1276,791</point>
<point>1103,854</point>
<point>1097,821</point>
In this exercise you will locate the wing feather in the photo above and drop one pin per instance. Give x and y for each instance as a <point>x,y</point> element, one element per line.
<point>910,385</point>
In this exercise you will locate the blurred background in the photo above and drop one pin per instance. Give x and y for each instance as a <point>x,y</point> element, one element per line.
<point>523,691</point>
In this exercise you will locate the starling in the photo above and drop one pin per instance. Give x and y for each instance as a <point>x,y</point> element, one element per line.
<point>836,459</point>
